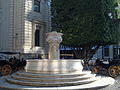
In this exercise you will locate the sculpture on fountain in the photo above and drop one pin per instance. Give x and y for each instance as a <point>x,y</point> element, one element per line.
<point>54,39</point>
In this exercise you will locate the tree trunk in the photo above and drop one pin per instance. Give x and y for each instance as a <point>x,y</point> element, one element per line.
<point>85,52</point>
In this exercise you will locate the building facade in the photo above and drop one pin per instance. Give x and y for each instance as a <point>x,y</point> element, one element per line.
<point>108,52</point>
<point>23,25</point>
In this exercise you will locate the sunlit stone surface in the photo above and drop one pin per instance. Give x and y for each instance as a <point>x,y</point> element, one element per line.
<point>54,39</point>
<point>54,66</point>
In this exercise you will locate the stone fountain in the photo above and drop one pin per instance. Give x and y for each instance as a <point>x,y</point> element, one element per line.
<point>54,73</point>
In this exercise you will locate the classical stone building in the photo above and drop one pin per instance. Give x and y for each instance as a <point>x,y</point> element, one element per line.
<point>23,24</point>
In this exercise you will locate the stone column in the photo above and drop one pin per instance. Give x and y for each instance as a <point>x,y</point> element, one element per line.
<point>54,39</point>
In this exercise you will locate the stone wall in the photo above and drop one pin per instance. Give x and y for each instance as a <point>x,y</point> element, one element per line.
<point>4,25</point>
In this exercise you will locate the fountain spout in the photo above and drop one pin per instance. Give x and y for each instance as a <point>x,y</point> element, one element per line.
<point>54,39</point>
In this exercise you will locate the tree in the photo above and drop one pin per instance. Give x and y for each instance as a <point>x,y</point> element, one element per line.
<point>85,24</point>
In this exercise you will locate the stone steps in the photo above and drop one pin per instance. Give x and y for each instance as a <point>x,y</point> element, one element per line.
<point>51,71</point>
<point>50,83</point>
<point>51,79</point>
<point>48,79</point>
<point>38,75</point>
<point>103,82</point>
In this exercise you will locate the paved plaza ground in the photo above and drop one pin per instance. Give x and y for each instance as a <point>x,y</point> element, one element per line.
<point>115,86</point>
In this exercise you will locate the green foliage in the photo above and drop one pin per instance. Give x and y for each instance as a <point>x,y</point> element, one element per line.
<point>118,2</point>
<point>85,22</point>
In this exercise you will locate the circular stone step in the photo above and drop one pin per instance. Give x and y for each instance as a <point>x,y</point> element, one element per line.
<point>44,79</point>
<point>50,72</point>
<point>104,81</point>
<point>37,75</point>
<point>52,83</point>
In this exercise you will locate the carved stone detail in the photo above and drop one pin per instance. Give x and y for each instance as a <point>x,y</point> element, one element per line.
<point>54,39</point>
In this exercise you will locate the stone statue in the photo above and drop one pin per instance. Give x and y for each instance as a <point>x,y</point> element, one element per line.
<point>54,39</point>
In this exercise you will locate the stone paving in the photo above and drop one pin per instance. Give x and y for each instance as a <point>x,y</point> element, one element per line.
<point>115,86</point>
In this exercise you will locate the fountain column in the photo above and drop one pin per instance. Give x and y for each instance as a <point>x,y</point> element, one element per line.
<point>54,39</point>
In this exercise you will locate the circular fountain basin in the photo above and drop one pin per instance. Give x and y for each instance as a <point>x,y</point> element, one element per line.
<point>54,75</point>
<point>54,66</point>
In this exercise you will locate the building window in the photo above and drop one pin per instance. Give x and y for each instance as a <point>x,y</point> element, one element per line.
<point>106,51</point>
<point>37,35</point>
<point>36,5</point>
